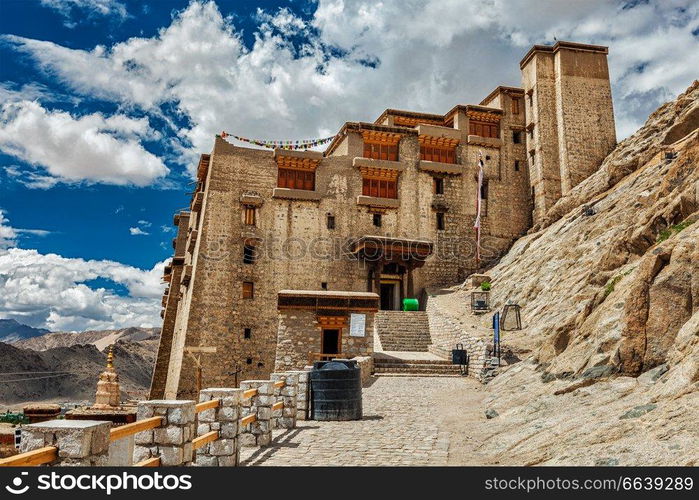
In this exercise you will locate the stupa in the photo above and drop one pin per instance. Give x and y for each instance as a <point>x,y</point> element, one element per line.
<point>108,404</point>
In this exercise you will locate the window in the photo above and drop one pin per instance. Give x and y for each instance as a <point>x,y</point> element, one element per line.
<point>248,290</point>
<point>331,221</point>
<point>323,286</point>
<point>247,333</point>
<point>440,221</point>
<point>484,190</point>
<point>379,188</point>
<point>377,220</point>
<point>296,179</point>
<point>248,361</point>
<point>483,129</point>
<point>438,153</point>
<point>381,151</point>
<point>438,185</point>
<point>249,253</point>
<point>250,215</point>
<point>515,106</point>
<point>517,137</point>
<point>516,165</point>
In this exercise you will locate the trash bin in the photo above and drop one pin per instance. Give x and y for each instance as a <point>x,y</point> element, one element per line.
<point>336,390</point>
<point>411,305</point>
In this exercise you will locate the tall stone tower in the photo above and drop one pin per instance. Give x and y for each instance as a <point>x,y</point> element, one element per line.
<point>570,119</point>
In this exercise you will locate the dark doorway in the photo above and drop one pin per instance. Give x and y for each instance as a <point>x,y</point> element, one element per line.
<point>387,295</point>
<point>331,341</point>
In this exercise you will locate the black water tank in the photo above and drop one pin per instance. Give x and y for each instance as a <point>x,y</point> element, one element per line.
<point>336,390</point>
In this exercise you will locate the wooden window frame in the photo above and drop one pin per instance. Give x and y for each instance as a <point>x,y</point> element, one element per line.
<point>380,151</point>
<point>292,178</point>
<point>248,290</point>
<point>380,188</point>
<point>249,253</point>
<point>441,154</point>
<point>515,106</point>
<point>438,185</point>
<point>339,339</point>
<point>250,215</point>
<point>441,221</point>
<point>376,218</point>
<point>484,129</point>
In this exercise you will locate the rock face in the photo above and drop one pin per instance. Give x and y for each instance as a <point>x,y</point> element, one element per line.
<point>12,331</point>
<point>99,338</point>
<point>68,373</point>
<point>609,289</point>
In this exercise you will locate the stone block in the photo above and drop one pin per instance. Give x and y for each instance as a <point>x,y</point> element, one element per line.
<point>182,415</point>
<point>222,447</point>
<point>141,453</point>
<point>170,435</point>
<point>229,430</point>
<point>207,461</point>
<point>228,413</point>
<point>228,460</point>
<point>145,437</point>
<point>264,413</point>
<point>247,439</point>
<point>264,439</point>
<point>265,400</point>
<point>171,455</point>
<point>207,415</point>
<point>203,429</point>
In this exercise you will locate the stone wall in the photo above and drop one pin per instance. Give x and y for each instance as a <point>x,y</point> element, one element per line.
<point>299,334</point>
<point>79,442</point>
<point>225,451</point>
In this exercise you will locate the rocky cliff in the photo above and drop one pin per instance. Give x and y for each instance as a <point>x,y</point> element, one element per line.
<point>609,289</point>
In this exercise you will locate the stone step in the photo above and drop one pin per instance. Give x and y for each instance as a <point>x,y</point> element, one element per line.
<point>418,369</point>
<point>398,361</point>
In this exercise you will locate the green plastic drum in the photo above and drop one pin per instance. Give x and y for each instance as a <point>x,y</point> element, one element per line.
<point>410,305</point>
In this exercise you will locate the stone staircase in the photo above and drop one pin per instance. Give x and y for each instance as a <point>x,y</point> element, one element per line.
<point>403,330</point>
<point>390,367</point>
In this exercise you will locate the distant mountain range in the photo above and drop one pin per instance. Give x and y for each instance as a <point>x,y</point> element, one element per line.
<point>12,331</point>
<point>37,365</point>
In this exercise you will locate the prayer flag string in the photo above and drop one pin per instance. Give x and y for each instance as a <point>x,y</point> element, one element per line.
<point>298,144</point>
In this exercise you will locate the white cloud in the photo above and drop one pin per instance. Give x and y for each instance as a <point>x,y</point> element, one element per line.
<point>51,291</point>
<point>91,148</point>
<point>423,55</point>
<point>137,231</point>
<point>167,229</point>
<point>9,235</point>
<point>72,9</point>
<point>144,223</point>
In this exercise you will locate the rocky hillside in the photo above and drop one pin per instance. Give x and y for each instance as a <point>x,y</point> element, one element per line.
<point>99,338</point>
<point>609,289</point>
<point>70,373</point>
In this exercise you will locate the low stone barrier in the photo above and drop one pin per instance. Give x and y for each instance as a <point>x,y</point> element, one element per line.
<point>172,441</point>
<point>79,442</point>
<point>224,451</point>
<point>366,367</point>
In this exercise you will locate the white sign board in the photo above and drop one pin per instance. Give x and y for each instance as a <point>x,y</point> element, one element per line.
<point>357,325</point>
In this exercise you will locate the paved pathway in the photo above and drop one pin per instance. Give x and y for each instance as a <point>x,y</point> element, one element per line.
<point>402,425</point>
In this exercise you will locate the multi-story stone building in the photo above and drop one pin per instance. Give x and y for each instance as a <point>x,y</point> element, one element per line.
<point>388,208</point>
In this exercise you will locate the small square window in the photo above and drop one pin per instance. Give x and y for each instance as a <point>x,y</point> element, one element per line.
<point>323,286</point>
<point>517,137</point>
<point>248,290</point>
<point>377,220</point>
<point>487,157</point>
<point>516,165</point>
<point>247,333</point>
<point>440,221</point>
<point>438,185</point>
<point>248,361</point>
<point>260,364</point>
<point>331,221</point>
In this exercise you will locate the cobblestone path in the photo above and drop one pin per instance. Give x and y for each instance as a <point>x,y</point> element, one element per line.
<point>402,425</point>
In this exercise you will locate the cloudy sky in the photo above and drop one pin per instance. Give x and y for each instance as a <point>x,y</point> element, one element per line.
<point>105,105</point>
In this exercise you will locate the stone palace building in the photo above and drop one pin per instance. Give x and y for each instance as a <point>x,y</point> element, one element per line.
<point>280,248</point>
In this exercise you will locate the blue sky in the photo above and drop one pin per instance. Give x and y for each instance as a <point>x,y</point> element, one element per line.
<point>106,104</point>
